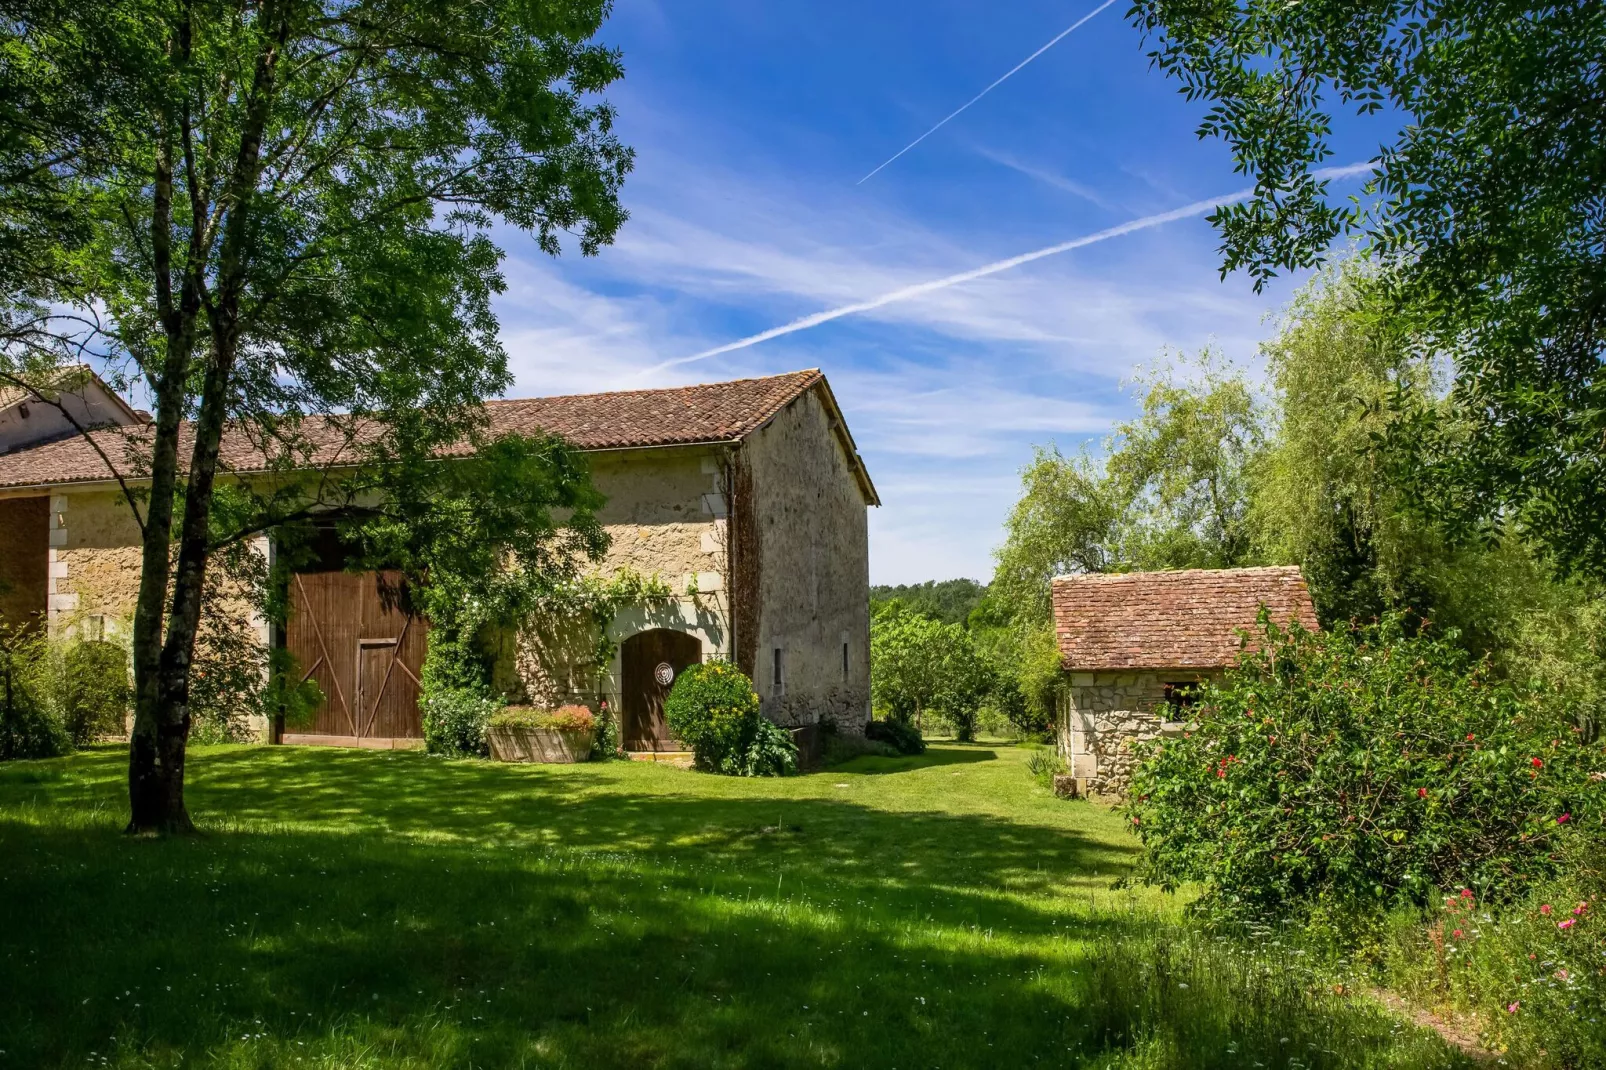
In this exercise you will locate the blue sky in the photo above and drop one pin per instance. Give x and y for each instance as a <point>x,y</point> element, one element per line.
<point>753,124</point>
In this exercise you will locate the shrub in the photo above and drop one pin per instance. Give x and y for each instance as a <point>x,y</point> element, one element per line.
<point>93,690</point>
<point>1044,765</point>
<point>771,752</point>
<point>562,719</point>
<point>29,726</point>
<point>713,710</point>
<point>608,744</point>
<point>455,721</point>
<point>1359,770</point>
<point>901,735</point>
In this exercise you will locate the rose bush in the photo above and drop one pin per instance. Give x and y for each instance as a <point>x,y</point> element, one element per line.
<point>1363,769</point>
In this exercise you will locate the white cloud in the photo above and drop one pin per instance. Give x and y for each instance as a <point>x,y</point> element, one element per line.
<point>945,391</point>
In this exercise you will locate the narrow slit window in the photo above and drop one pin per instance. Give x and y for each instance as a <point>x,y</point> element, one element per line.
<point>844,663</point>
<point>779,675</point>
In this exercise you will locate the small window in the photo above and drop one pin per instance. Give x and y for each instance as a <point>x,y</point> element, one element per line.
<point>778,677</point>
<point>844,663</point>
<point>1180,697</point>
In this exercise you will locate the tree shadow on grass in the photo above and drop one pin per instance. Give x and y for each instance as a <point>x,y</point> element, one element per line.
<point>352,919</point>
<point>876,764</point>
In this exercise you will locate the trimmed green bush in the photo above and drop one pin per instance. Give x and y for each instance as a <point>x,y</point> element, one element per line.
<point>29,725</point>
<point>1355,771</point>
<point>903,736</point>
<point>95,690</point>
<point>713,710</point>
<point>455,720</point>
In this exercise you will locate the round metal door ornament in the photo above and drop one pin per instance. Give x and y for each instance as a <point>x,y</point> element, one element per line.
<point>664,673</point>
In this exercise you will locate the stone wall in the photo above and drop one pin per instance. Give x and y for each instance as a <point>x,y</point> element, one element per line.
<point>24,560</point>
<point>810,523</point>
<point>1104,716</point>
<point>94,564</point>
<point>666,517</point>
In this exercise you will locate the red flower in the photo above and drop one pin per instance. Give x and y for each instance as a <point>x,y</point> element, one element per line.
<point>1421,793</point>
<point>1466,893</point>
<point>1469,735</point>
<point>1545,909</point>
<point>1537,764</point>
<point>1457,934</point>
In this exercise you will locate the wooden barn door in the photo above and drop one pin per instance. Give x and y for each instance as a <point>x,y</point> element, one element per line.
<point>649,663</point>
<point>364,653</point>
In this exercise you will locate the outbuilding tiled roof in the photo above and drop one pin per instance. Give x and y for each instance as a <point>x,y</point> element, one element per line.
<point>1188,619</point>
<point>711,412</point>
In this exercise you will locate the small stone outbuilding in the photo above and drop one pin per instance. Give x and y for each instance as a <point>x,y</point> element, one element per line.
<point>1136,645</point>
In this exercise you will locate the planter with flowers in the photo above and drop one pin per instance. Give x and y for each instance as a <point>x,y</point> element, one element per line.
<point>528,734</point>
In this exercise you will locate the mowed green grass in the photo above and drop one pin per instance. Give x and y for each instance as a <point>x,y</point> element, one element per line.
<point>388,909</point>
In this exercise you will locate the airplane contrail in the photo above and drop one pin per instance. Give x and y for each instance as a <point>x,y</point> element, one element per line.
<point>1007,74</point>
<point>921,288</point>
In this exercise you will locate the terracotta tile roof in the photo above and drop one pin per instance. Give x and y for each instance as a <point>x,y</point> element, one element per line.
<point>711,412</point>
<point>1187,619</point>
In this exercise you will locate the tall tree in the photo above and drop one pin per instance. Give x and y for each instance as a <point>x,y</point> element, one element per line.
<point>1485,208</point>
<point>1171,492</point>
<point>277,216</point>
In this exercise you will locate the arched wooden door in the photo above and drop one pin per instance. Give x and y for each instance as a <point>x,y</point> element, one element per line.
<point>649,663</point>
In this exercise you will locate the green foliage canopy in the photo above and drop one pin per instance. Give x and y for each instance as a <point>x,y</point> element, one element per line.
<point>1172,492</point>
<point>277,217</point>
<point>918,665</point>
<point>1484,211</point>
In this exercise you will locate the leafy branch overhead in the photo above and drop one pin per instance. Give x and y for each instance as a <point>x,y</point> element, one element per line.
<point>277,219</point>
<point>1483,212</point>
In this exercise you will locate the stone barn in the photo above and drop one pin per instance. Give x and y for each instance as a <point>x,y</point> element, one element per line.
<point>1136,645</point>
<point>747,499</point>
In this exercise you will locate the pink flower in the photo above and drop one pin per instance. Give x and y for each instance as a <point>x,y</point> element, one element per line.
<point>1511,1008</point>
<point>1562,975</point>
<point>1567,923</point>
<point>1563,819</point>
<point>1466,893</point>
<point>1457,934</point>
<point>1545,909</point>
<point>1580,908</point>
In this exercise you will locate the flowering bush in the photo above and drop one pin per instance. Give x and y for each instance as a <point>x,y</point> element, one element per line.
<point>713,710</point>
<point>1536,969</point>
<point>455,720</point>
<point>563,719</point>
<point>1360,770</point>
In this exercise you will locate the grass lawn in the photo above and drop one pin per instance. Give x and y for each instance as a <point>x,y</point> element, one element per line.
<point>350,909</point>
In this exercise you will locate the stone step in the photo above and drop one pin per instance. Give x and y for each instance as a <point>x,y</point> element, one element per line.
<point>660,755</point>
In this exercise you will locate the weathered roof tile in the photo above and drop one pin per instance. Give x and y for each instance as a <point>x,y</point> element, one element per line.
<point>711,412</point>
<point>1188,619</point>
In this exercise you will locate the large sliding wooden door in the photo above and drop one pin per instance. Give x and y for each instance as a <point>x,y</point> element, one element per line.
<point>364,652</point>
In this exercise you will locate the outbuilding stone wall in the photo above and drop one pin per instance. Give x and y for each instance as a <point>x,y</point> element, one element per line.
<point>1103,718</point>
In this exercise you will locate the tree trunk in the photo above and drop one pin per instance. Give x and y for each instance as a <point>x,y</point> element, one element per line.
<point>156,745</point>
<point>162,668</point>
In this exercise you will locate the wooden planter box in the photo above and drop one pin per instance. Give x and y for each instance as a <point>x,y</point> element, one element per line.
<point>514,744</point>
